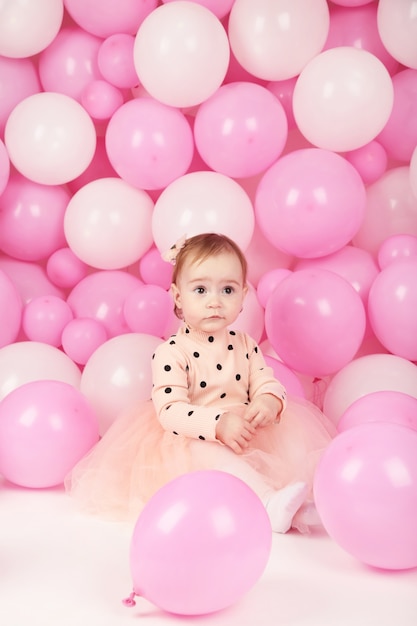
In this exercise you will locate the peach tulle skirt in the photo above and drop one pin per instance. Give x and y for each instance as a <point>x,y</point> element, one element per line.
<point>136,457</point>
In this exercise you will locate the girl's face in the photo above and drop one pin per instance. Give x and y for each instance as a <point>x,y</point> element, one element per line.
<point>210,293</point>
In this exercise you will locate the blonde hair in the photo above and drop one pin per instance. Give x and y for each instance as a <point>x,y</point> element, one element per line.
<point>201,247</point>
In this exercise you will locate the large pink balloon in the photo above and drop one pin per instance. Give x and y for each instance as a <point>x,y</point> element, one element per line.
<point>181,53</point>
<point>44,318</point>
<point>343,98</point>
<point>148,309</point>
<point>220,8</point>
<point>81,337</point>
<point>391,209</point>
<point>4,167</point>
<point>149,143</point>
<point>380,406</point>
<point>10,310</point>
<point>101,296</point>
<point>371,161</point>
<point>397,248</point>
<point>30,279</point>
<point>32,218</point>
<point>286,376</point>
<point>107,223</point>
<point>154,270</point>
<point>392,308</point>
<point>117,376</point>
<point>65,269</point>
<point>398,29</point>
<point>28,27</point>
<point>315,321</point>
<point>202,202</point>
<point>46,427</point>
<point>241,129</point>
<point>216,527</point>
<point>310,203</point>
<point>275,40</point>
<point>365,491</point>
<point>115,60</point>
<point>106,17</point>
<point>50,138</point>
<point>18,80</point>
<point>366,374</point>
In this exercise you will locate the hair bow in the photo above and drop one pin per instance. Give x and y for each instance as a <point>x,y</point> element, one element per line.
<point>171,255</point>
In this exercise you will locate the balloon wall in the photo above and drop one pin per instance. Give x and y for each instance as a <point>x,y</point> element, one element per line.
<point>289,126</point>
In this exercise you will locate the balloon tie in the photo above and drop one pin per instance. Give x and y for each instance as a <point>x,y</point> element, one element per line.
<point>130,601</point>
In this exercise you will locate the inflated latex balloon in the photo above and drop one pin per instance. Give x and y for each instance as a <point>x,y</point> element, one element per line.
<point>392,306</point>
<point>117,376</point>
<point>149,143</point>
<point>4,167</point>
<point>366,374</point>
<point>286,376</point>
<point>81,337</point>
<point>46,427</point>
<point>28,27</point>
<point>413,171</point>
<point>315,321</point>
<point>275,40</point>
<point>44,318</point>
<point>107,223</point>
<point>397,248</point>
<point>202,202</point>
<point>365,490</point>
<point>181,53</point>
<point>398,29</point>
<point>30,279</point>
<point>220,8</point>
<point>10,310</point>
<point>101,99</point>
<point>106,17</point>
<point>27,361</point>
<point>148,309</point>
<point>218,529</point>
<point>380,406</point>
<point>50,138</point>
<point>65,269</point>
<point>343,98</point>
<point>115,60</point>
<point>310,203</point>
<point>18,80</point>
<point>371,161</point>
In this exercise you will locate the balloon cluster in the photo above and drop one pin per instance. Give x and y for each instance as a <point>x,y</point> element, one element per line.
<point>290,127</point>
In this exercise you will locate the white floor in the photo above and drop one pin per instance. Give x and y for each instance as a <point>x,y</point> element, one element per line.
<point>60,567</point>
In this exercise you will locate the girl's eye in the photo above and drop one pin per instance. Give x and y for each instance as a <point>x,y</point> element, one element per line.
<point>200,290</point>
<point>228,290</point>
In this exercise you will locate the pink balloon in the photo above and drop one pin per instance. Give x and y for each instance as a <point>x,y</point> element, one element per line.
<point>117,376</point>
<point>29,279</point>
<point>69,63</point>
<point>50,138</point>
<point>241,129</point>
<point>4,167</point>
<point>115,60</point>
<point>357,266</point>
<point>220,8</point>
<point>366,374</point>
<point>46,427</point>
<point>105,17</point>
<point>315,322</point>
<point>343,98</point>
<point>310,202</point>
<point>10,310</point>
<point>154,270</point>
<point>275,40</point>
<point>81,337</point>
<point>101,99</point>
<point>269,281</point>
<point>219,530</point>
<point>413,172</point>
<point>65,269</point>
<point>398,29</point>
<point>99,167</point>
<point>263,257</point>
<point>149,144</point>
<point>181,53</point>
<point>356,25</point>
<point>251,318</point>
<point>380,406</point>
<point>392,308</point>
<point>397,248</point>
<point>399,134</point>
<point>101,296</point>
<point>283,90</point>
<point>32,218</point>
<point>147,310</point>
<point>370,160</point>
<point>18,80</point>
<point>391,209</point>
<point>287,377</point>
<point>365,492</point>
<point>44,318</point>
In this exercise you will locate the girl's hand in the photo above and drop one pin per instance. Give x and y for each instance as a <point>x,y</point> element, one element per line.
<point>264,410</point>
<point>234,431</point>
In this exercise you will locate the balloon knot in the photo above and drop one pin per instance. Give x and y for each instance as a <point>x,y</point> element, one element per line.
<point>130,601</point>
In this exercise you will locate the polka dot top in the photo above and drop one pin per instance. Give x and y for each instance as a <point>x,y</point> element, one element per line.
<point>198,376</point>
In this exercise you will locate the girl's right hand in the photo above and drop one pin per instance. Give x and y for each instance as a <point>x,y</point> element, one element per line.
<point>234,431</point>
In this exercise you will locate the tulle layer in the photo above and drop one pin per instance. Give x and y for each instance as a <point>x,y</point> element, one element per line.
<point>136,457</point>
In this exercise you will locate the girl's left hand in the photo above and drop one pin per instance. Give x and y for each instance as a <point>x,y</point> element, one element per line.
<point>264,410</point>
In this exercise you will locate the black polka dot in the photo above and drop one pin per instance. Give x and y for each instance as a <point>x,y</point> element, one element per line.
<point>187,330</point>
<point>219,367</point>
<point>230,347</point>
<point>232,332</point>
<point>167,368</point>
<point>238,377</point>
<point>223,395</point>
<point>247,355</point>
<point>196,354</point>
<point>203,384</point>
<point>256,349</point>
<point>211,339</point>
<point>190,413</point>
<point>153,356</point>
<point>174,432</point>
<point>168,389</point>
<point>217,417</point>
<point>201,437</point>
<point>172,343</point>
